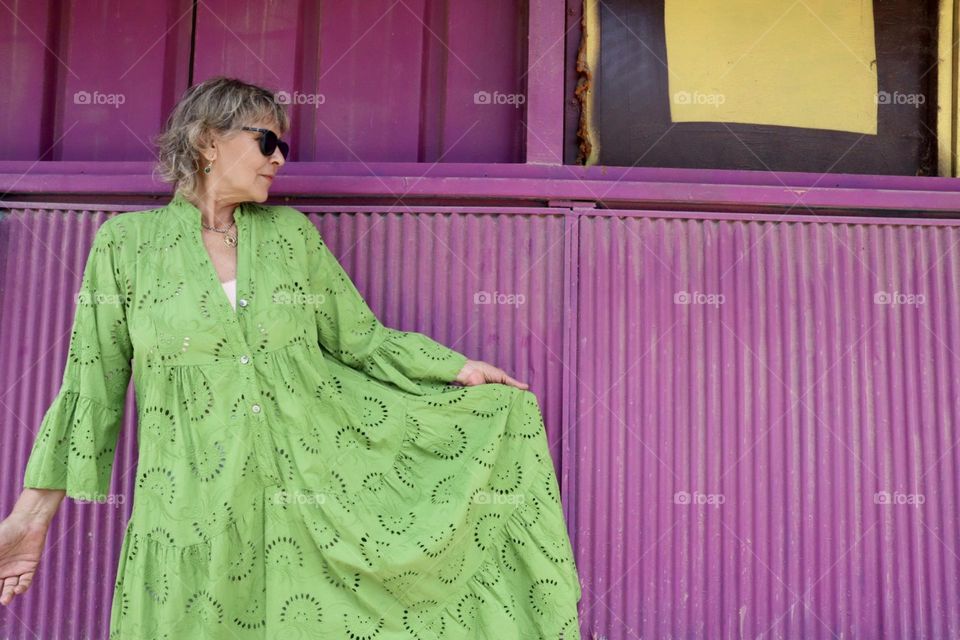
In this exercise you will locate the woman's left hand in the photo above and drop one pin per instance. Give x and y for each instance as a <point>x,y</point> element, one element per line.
<point>476,372</point>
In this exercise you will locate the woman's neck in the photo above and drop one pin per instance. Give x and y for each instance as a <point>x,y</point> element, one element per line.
<point>214,213</point>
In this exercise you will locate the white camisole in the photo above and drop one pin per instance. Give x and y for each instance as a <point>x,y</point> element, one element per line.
<point>230,286</point>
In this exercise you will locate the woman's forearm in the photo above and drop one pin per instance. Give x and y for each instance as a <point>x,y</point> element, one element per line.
<point>39,505</point>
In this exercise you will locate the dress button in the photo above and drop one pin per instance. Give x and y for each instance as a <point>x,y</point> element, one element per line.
<point>255,408</point>
<point>244,359</point>
<point>242,302</point>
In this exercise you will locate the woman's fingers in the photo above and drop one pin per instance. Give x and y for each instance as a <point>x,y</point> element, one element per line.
<point>479,372</point>
<point>24,583</point>
<point>7,592</point>
<point>503,377</point>
<point>515,383</point>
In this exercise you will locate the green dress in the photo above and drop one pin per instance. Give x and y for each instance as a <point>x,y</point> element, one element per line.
<point>304,471</point>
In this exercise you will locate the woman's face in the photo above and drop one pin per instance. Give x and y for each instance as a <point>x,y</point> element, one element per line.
<point>240,171</point>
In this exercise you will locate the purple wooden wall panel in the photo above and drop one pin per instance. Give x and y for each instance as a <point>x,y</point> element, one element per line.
<point>23,34</point>
<point>483,54</point>
<point>732,454</point>
<point>419,270</point>
<point>545,76</point>
<point>373,81</point>
<point>90,80</point>
<point>126,63</point>
<point>379,80</point>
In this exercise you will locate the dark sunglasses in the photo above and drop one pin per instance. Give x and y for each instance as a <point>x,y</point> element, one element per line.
<point>269,142</point>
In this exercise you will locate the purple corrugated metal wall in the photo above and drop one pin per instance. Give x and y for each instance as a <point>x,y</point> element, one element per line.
<point>766,441</point>
<point>753,418</point>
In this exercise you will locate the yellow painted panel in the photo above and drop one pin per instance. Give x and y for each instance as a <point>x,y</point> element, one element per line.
<point>780,62</point>
<point>947,88</point>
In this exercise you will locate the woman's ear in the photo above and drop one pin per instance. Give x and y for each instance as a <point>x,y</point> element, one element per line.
<point>207,147</point>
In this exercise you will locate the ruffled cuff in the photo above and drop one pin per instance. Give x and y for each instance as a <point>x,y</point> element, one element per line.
<point>414,362</point>
<point>74,449</point>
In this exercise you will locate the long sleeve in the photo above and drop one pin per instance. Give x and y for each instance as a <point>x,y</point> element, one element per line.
<point>350,331</point>
<point>75,446</point>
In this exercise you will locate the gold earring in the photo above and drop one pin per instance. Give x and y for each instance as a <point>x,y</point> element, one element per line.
<point>207,168</point>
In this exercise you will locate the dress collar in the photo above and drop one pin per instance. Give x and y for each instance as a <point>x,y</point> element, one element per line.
<point>190,215</point>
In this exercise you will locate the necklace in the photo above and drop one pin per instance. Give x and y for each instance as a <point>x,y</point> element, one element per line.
<point>229,239</point>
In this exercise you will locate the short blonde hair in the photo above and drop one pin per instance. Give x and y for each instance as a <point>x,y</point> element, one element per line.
<point>218,105</point>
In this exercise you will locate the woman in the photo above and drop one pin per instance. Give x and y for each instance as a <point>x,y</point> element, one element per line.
<point>303,469</point>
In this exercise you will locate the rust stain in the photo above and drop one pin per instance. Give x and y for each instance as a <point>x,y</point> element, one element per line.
<point>587,57</point>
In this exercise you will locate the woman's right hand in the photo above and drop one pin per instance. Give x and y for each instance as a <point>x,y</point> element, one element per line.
<point>21,543</point>
<point>22,535</point>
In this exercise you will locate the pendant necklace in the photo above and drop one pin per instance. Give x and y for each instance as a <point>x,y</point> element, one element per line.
<point>229,239</point>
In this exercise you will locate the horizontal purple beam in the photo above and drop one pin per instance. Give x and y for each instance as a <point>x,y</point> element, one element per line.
<point>635,187</point>
<point>544,211</point>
